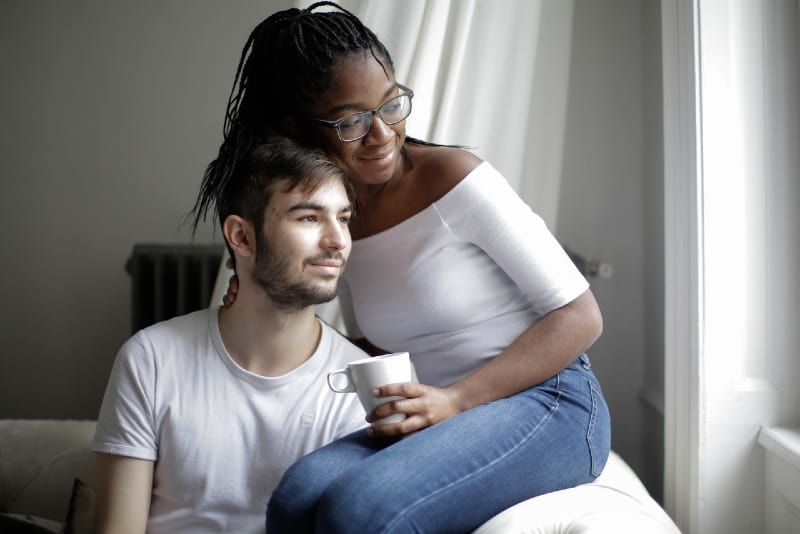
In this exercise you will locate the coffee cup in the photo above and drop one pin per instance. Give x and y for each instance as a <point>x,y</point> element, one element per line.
<point>362,376</point>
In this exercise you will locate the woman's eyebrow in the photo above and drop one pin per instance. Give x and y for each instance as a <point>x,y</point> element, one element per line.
<point>357,106</point>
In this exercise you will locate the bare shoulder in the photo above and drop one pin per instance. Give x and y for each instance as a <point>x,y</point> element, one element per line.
<point>440,168</point>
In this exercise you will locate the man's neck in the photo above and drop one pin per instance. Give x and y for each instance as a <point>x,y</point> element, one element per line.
<point>266,340</point>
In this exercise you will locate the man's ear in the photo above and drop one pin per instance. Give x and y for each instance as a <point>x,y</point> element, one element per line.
<point>240,236</point>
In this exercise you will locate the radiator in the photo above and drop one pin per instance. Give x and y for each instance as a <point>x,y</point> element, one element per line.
<point>170,279</point>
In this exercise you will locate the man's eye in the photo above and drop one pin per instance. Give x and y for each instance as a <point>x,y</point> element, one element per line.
<point>309,218</point>
<point>345,219</point>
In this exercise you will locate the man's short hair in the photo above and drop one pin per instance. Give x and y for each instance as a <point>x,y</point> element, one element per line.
<point>246,189</point>
<point>277,160</point>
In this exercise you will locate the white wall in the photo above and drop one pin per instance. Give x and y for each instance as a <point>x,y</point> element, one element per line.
<point>112,110</point>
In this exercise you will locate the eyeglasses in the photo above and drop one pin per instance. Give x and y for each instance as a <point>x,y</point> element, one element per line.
<point>355,126</point>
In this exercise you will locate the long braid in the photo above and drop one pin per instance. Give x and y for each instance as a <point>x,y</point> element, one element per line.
<point>288,60</point>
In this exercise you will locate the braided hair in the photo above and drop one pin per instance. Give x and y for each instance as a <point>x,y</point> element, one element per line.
<point>288,61</point>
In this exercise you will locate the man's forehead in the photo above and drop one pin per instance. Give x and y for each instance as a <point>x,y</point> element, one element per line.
<point>326,191</point>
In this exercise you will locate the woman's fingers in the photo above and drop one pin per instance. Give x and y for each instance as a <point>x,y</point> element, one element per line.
<point>423,405</point>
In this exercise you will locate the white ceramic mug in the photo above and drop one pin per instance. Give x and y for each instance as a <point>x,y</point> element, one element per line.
<point>361,376</point>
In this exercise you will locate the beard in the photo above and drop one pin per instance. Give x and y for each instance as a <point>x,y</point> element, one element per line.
<point>271,273</point>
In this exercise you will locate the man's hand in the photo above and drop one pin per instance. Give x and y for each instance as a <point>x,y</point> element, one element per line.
<point>233,286</point>
<point>424,405</point>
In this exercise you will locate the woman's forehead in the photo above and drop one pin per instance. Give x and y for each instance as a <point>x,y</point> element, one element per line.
<point>359,81</point>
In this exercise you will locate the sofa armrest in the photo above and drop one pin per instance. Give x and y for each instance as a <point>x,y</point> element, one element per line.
<point>39,461</point>
<point>616,502</point>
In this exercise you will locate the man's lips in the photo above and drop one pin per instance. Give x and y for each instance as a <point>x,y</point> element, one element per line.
<point>327,261</point>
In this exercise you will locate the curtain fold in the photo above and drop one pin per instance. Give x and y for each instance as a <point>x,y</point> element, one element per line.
<point>488,75</point>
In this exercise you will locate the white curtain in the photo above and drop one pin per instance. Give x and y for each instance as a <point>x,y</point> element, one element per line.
<point>490,75</point>
<point>732,183</point>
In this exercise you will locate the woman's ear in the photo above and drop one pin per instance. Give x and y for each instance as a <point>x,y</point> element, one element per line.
<point>240,236</point>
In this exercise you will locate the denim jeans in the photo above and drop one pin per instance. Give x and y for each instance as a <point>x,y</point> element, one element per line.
<point>455,475</point>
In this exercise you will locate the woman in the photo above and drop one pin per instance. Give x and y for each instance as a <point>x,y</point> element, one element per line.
<point>447,263</point>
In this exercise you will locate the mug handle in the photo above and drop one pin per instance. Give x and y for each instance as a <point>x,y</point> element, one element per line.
<point>349,388</point>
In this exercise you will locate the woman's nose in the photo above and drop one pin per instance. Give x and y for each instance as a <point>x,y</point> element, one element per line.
<point>379,131</point>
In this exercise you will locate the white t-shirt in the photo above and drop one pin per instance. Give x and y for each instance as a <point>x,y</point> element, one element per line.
<point>220,435</point>
<point>456,283</point>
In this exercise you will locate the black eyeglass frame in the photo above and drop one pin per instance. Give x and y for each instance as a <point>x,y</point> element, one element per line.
<point>337,123</point>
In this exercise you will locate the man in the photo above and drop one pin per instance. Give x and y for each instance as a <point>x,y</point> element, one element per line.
<point>203,413</point>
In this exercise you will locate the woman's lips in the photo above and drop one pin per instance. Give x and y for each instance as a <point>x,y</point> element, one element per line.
<point>379,156</point>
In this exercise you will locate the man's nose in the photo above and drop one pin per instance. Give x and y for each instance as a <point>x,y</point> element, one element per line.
<point>335,236</point>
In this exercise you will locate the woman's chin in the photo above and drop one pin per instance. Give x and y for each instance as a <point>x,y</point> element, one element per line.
<point>376,171</point>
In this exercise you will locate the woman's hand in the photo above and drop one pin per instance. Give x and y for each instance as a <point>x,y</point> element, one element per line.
<point>424,405</point>
<point>233,286</point>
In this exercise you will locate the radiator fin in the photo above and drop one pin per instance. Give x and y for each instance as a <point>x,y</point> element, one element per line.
<point>170,279</point>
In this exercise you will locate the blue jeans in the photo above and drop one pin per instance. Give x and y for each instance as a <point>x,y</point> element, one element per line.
<point>453,476</point>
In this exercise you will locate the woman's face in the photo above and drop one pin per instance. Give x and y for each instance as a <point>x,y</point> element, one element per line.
<point>360,85</point>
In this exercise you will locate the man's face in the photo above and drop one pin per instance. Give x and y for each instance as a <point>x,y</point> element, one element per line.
<point>303,245</point>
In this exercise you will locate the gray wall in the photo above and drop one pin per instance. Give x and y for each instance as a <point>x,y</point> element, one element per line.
<point>112,110</point>
<point>110,113</point>
<point>610,210</point>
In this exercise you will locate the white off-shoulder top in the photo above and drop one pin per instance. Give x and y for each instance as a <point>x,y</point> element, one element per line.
<point>456,283</point>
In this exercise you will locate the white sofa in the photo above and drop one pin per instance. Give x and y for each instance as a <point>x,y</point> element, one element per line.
<point>40,459</point>
<point>39,462</point>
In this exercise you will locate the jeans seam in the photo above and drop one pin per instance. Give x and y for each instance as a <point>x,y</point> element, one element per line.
<point>425,498</point>
<point>590,431</point>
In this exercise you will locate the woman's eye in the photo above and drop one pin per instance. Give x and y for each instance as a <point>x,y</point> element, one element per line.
<point>391,108</point>
<point>353,121</point>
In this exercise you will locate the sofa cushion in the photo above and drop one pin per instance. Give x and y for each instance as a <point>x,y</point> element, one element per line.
<point>39,461</point>
<point>26,524</point>
<point>81,513</point>
<point>616,502</point>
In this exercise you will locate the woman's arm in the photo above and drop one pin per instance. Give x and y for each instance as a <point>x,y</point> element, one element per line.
<point>543,350</point>
<point>487,212</point>
<point>123,489</point>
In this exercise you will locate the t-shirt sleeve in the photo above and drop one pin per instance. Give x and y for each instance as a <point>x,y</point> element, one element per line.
<point>483,209</point>
<point>126,424</point>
